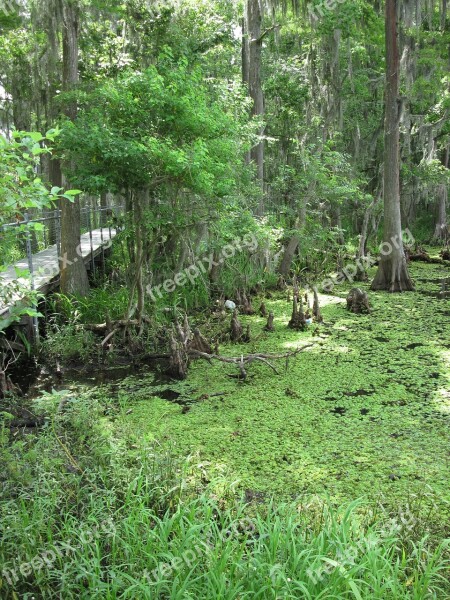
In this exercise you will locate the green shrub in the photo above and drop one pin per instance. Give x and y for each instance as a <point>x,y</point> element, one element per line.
<point>69,343</point>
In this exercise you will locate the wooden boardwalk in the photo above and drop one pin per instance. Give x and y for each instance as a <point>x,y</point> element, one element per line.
<point>46,265</point>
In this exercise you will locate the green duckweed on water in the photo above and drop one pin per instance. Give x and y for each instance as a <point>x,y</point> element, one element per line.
<point>365,412</point>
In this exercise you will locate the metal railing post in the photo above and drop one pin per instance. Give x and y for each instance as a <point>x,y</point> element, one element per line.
<point>31,269</point>
<point>45,234</point>
<point>101,241</point>
<point>58,236</point>
<point>90,239</point>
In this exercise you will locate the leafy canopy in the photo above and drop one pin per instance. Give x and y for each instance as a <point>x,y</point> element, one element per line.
<point>166,125</point>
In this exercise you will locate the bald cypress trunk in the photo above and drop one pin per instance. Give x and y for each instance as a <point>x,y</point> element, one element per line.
<point>443,14</point>
<point>392,272</point>
<point>441,229</point>
<point>74,278</point>
<point>292,245</point>
<point>252,54</point>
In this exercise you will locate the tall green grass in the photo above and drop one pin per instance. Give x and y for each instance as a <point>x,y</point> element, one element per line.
<point>85,515</point>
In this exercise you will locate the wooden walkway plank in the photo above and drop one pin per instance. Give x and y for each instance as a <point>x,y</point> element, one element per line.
<point>46,264</point>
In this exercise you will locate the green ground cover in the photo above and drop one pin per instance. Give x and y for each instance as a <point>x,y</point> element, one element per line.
<point>365,412</point>
<point>328,480</point>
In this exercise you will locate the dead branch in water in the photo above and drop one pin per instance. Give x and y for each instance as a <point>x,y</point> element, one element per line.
<point>244,360</point>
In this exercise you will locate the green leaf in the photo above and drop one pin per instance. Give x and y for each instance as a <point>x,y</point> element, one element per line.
<point>31,312</point>
<point>5,323</point>
<point>36,136</point>
<point>53,133</point>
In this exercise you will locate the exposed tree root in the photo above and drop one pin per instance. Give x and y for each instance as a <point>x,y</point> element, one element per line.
<point>263,310</point>
<point>247,308</point>
<point>392,276</point>
<point>236,329</point>
<point>110,328</point>
<point>281,283</point>
<point>358,301</point>
<point>179,358</point>
<point>298,320</point>
<point>269,325</point>
<point>316,307</point>
<point>422,256</point>
<point>200,343</point>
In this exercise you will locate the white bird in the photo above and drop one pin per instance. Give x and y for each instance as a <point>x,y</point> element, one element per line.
<point>229,305</point>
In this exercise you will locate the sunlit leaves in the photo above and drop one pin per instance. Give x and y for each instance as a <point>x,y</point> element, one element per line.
<point>158,127</point>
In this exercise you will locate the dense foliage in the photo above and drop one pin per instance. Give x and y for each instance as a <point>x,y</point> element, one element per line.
<point>245,154</point>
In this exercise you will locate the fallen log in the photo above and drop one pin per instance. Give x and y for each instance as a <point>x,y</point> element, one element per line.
<point>105,327</point>
<point>27,423</point>
<point>156,356</point>
<point>425,257</point>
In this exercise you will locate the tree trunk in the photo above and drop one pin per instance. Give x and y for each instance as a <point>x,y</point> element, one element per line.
<point>392,272</point>
<point>245,51</point>
<point>21,105</point>
<point>74,278</point>
<point>340,231</point>
<point>441,230</point>
<point>362,247</point>
<point>55,178</point>
<point>443,14</point>
<point>289,254</point>
<point>140,256</point>
<point>407,42</point>
<point>252,51</point>
<point>293,243</point>
<point>3,382</point>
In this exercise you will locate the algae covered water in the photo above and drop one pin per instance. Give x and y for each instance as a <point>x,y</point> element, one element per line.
<point>364,412</point>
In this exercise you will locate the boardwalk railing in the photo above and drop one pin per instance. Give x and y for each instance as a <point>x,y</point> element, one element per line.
<point>34,244</point>
<point>31,235</point>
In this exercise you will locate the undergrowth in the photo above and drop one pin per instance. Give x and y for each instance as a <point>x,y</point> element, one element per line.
<point>88,515</point>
